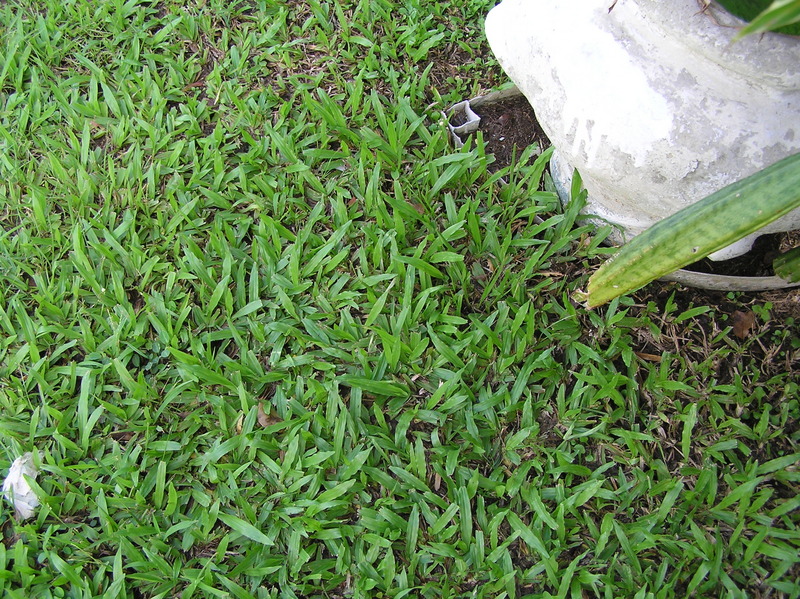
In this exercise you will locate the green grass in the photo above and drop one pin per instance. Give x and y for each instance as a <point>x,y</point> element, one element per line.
<point>275,338</point>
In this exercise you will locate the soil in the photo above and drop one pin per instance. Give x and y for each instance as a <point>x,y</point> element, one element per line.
<point>510,125</point>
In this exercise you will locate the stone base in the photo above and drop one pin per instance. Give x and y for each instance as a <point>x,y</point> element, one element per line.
<point>652,101</point>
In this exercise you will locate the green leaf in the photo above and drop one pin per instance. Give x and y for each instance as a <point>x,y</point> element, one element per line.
<point>746,489</point>
<point>541,511</point>
<point>335,492</point>
<point>787,266</point>
<point>421,265</point>
<point>384,388</point>
<point>245,529</point>
<point>778,14</point>
<point>527,534</point>
<point>689,422</point>
<point>377,307</point>
<point>699,230</point>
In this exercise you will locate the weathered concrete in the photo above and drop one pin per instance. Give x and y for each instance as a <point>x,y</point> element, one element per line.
<point>652,101</point>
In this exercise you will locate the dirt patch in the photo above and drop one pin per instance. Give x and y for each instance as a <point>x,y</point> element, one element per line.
<point>509,127</point>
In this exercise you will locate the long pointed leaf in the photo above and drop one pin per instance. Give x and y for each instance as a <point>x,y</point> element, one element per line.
<point>699,230</point>
<point>787,266</point>
<point>778,14</point>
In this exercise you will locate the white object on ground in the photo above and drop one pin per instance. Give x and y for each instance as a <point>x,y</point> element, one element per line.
<point>652,101</point>
<point>16,488</point>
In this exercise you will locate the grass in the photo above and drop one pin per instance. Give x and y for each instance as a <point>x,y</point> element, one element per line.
<point>274,338</point>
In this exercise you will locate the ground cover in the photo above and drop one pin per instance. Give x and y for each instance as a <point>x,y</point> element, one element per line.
<point>274,337</point>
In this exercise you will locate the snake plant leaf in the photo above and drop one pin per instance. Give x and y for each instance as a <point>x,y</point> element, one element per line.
<point>778,14</point>
<point>695,232</point>
<point>787,266</point>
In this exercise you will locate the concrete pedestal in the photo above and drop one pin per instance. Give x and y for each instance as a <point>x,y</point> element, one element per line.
<point>651,101</point>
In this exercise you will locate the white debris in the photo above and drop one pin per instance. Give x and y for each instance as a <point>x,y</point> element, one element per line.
<point>16,488</point>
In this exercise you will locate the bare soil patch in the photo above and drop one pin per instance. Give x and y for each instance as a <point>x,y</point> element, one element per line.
<point>509,127</point>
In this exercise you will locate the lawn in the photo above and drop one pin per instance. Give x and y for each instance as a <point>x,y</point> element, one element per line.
<point>274,337</point>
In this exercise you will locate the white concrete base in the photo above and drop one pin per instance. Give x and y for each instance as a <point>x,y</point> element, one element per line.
<point>651,101</point>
